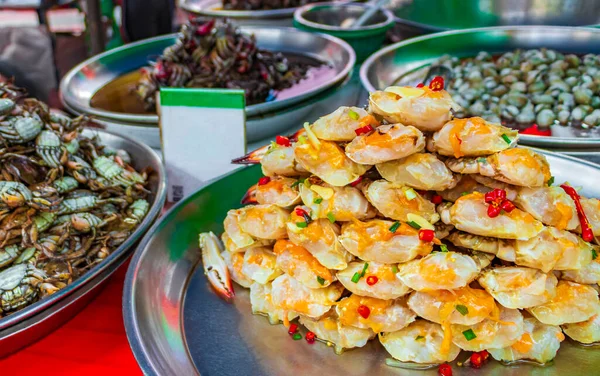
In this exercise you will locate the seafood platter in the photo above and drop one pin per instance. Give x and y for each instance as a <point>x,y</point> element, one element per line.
<point>73,201</point>
<point>284,72</point>
<point>540,80</point>
<point>396,236</point>
<point>247,12</point>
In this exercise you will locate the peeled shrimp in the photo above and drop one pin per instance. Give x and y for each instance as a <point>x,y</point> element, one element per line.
<point>517,166</point>
<point>329,328</point>
<point>320,238</point>
<point>423,108</point>
<point>491,333</point>
<point>341,124</point>
<point>384,315</point>
<point>518,287</point>
<point>387,286</point>
<point>440,306</point>
<point>469,213</point>
<point>573,303</point>
<point>539,342</point>
<point>472,137</point>
<point>397,202</point>
<point>373,241</point>
<point>341,203</point>
<point>420,342</point>
<point>419,171</point>
<point>328,162</point>
<point>290,295</point>
<point>300,264</point>
<point>439,271</point>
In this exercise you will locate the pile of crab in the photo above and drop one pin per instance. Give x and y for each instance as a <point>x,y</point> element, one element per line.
<point>66,202</point>
<point>434,234</point>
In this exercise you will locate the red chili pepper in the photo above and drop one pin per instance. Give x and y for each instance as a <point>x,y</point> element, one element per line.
<point>493,211</point>
<point>437,199</point>
<point>364,311</point>
<point>536,131</point>
<point>586,231</point>
<point>371,280</point>
<point>205,28</point>
<point>264,180</point>
<point>362,130</point>
<point>300,212</point>
<point>292,329</point>
<point>507,206</point>
<point>283,141</point>
<point>420,85</point>
<point>356,182</point>
<point>478,358</point>
<point>426,235</point>
<point>437,83</point>
<point>310,337</point>
<point>445,370</point>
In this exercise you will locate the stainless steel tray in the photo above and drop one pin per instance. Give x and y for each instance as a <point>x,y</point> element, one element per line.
<point>213,8</point>
<point>426,16</point>
<point>386,66</point>
<point>27,325</point>
<point>82,82</point>
<point>177,325</point>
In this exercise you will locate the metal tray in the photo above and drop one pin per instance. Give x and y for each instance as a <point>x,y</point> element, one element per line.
<point>27,325</point>
<point>214,8</point>
<point>82,82</point>
<point>420,17</point>
<point>177,325</point>
<point>386,66</point>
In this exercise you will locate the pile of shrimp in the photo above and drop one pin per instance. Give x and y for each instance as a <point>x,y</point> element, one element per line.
<point>433,234</point>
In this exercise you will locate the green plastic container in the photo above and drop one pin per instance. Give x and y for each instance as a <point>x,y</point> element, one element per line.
<point>330,18</point>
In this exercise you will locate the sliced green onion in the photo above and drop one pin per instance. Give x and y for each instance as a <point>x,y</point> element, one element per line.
<point>465,193</point>
<point>394,269</point>
<point>419,337</point>
<point>318,200</point>
<point>550,181</point>
<point>298,182</point>
<point>410,194</point>
<point>444,247</point>
<point>331,217</point>
<point>414,225</point>
<point>301,224</point>
<point>506,139</point>
<point>469,334</point>
<point>320,280</point>
<point>353,115</point>
<point>463,310</point>
<point>395,226</point>
<point>594,254</point>
<point>364,269</point>
<point>297,336</point>
<point>356,277</point>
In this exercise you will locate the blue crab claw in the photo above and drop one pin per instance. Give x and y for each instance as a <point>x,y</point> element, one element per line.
<point>255,156</point>
<point>250,196</point>
<point>214,266</point>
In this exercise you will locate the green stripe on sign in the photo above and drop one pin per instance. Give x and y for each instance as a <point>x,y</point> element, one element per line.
<point>211,98</point>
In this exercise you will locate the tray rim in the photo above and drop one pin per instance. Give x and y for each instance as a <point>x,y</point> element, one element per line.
<point>46,304</point>
<point>252,110</point>
<point>132,329</point>
<point>539,141</point>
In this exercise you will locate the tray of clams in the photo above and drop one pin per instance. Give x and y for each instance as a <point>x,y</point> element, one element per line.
<point>436,237</point>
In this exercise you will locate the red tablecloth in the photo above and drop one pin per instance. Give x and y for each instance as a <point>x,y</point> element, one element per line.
<point>92,343</point>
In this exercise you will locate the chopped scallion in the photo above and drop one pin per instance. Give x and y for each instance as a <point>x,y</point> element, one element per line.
<point>320,280</point>
<point>414,225</point>
<point>298,182</point>
<point>353,115</point>
<point>550,181</point>
<point>410,194</point>
<point>301,224</point>
<point>465,193</point>
<point>395,226</point>
<point>356,277</point>
<point>318,200</point>
<point>443,247</point>
<point>364,269</point>
<point>469,334</point>
<point>297,337</point>
<point>331,217</point>
<point>506,139</point>
<point>594,254</point>
<point>463,310</point>
<point>394,269</point>
<point>419,337</point>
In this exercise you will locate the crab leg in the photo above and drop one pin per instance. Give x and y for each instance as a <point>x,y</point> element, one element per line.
<point>254,157</point>
<point>215,267</point>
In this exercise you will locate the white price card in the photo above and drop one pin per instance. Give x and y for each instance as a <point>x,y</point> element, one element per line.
<point>202,130</point>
